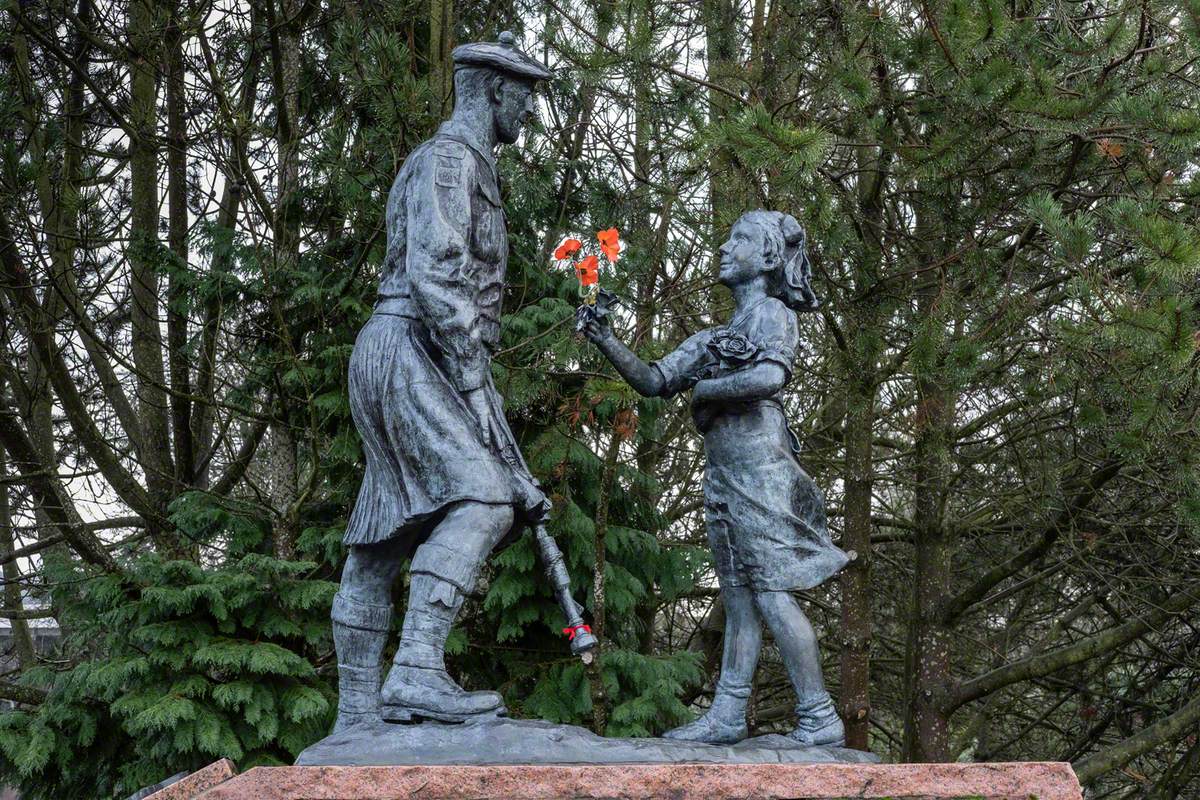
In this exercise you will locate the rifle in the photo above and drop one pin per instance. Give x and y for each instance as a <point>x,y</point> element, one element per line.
<point>581,637</point>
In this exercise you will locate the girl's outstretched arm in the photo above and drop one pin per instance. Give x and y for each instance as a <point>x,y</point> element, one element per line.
<point>645,379</point>
<point>758,382</point>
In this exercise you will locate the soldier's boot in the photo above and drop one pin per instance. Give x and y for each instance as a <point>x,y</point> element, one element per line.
<point>418,686</point>
<point>818,723</point>
<point>723,723</point>
<point>359,634</point>
<point>725,720</point>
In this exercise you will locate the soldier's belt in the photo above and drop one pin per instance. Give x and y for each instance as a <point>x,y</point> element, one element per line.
<point>404,306</point>
<point>398,306</point>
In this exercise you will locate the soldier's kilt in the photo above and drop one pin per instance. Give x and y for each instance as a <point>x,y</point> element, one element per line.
<point>423,445</point>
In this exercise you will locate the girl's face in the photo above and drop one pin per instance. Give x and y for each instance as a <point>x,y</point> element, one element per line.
<point>743,254</point>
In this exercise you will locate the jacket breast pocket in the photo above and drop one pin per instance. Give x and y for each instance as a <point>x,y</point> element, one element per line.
<point>488,238</point>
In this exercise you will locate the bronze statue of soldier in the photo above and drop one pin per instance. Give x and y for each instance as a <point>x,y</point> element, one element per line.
<point>445,482</point>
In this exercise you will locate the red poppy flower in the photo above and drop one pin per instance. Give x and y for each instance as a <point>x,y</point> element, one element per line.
<point>610,243</point>
<point>588,270</point>
<point>567,248</point>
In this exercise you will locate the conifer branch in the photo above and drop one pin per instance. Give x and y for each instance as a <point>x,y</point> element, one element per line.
<point>26,613</point>
<point>1083,650</point>
<point>1165,730</point>
<point>27,695</point>
<point>241,462</point>
<point>45,543</point>
<point>81,418</point>
<point>63,57</point>
<point>586,31</point>
<point>960,604</point>
<point>51,495</point>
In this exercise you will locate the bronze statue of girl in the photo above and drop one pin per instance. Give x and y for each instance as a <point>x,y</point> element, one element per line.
<point>765,516</point>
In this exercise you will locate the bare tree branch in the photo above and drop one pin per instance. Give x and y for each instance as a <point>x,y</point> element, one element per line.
<point>1165,730</point>
<point>1092,646</point>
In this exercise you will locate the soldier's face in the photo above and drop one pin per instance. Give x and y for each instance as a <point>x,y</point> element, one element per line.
<point>513,106</point>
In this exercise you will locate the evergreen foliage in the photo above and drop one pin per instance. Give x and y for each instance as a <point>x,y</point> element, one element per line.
<point>999,396</point>
<point>640,690</point>
<point>178,665</point>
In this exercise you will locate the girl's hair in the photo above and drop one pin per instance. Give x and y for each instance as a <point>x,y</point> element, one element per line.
<point>790,281</point>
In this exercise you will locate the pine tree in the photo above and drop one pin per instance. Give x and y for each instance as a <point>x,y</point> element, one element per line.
<point>1008,246</point>
<point>998,397</point>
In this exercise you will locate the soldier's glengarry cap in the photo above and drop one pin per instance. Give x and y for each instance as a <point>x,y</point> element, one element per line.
<point>502,55</point>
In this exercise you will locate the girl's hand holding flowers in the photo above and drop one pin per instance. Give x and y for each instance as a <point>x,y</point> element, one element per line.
<point>590,316</point>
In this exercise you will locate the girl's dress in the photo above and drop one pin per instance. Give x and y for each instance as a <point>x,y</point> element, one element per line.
<point>765,516</point>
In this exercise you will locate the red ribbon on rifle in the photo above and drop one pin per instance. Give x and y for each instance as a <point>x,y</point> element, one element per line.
<point>572,631</point>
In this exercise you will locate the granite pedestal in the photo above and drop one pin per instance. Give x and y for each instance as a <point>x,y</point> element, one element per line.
<point>534,760</point>
<point>1024,781</point>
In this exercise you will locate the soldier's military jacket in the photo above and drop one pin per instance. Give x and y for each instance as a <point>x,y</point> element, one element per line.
<point>430,342</point>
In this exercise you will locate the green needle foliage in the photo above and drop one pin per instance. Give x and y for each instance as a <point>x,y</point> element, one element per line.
<point>562,420</point>
<point>172,662</point>
<point>178,665</point>
<point>999,397</point>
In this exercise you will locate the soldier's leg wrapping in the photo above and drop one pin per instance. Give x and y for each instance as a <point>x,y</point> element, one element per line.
<point>359,634</point>
<point>442,577</point>
<point>444,570</point>
<point>362,617</point>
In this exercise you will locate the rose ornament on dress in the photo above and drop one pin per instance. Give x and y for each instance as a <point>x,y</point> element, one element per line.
<point>732,348</point>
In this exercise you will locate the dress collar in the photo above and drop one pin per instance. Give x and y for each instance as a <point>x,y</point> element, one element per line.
<point>744,314</point>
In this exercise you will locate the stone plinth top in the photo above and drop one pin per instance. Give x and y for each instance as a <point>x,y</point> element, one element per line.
<point>1011,781</point>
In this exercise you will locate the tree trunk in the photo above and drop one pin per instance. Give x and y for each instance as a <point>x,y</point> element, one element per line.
<point>647,453</point>
<point>286,75</point>
<point>177,216</point>
<point>859,369</point>
<point>927,658</point>
<point>145,35</point>
<point>926,725</point>
<point>22,640</point>
<point>730,195</point>
<point>855,699</point>
<point>599,618</point>
<point>231,199</point>
<point>574,143</point>
<point>441,42</point>
<point>284,480</point>
<point>59,214</point>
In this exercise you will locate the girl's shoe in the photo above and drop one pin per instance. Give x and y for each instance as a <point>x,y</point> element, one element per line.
<point>724,723</point>
<point>818,723</point>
